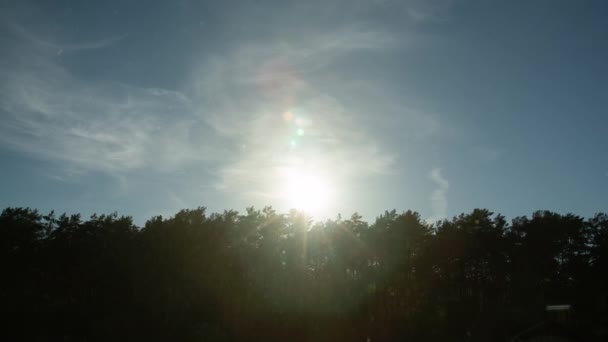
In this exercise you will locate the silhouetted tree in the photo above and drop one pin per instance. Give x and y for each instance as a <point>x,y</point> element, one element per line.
<point>263,275</point>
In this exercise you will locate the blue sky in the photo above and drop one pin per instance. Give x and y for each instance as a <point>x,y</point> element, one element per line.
<point>436,106</point>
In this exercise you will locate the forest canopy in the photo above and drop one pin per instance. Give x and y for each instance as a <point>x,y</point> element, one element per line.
<point>265,275</point>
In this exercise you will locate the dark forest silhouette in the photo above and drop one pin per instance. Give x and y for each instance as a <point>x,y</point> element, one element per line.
<point>266,276</point>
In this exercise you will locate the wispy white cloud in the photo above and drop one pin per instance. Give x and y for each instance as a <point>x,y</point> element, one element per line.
<point>60,47</point>
<point>486,153</point>
<point>431,12</point>
<point>49,113</point>
<point>439,201</point>
<point>227,118</point>
<point>247,92</point>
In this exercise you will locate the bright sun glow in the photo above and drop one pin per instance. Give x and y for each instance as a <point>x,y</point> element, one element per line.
<point>307,189</point>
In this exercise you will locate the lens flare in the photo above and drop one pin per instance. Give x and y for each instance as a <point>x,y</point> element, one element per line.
<point>287,116</point>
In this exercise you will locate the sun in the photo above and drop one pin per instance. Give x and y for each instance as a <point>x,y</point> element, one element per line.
<point>306,189</point>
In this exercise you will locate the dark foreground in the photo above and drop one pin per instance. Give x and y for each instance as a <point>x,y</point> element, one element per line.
<point>265,276</point>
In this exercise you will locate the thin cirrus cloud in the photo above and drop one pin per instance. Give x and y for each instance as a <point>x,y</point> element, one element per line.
<point>61,47</point>
<point>49,113</point>
<point>248,92</point>
<point>439,200</point>
<point>227,118</point>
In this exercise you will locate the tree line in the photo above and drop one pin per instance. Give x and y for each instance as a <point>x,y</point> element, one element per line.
<point>261,275</point>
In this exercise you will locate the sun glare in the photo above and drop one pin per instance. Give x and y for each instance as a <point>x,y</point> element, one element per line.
<point>307,189</point>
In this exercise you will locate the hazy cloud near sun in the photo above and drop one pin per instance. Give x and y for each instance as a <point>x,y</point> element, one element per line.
<point>226,118</point>
<point>49,112</point>
<point>246,93</point>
